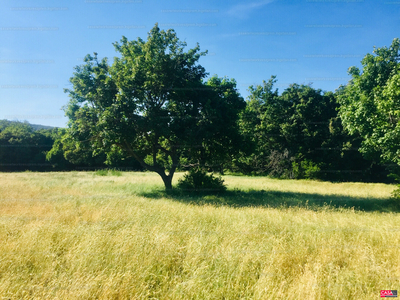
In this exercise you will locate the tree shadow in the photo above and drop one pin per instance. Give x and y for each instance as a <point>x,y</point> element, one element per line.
<point>278,199</point>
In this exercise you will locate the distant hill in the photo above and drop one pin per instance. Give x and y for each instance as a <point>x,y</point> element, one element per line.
<point>5,123</point>
<point>38,127</point>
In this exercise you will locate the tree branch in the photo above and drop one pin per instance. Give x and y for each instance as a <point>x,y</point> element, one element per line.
<point>129,149</point>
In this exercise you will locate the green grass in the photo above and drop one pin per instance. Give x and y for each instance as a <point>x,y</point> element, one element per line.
<point>106,172</point>
<point>82,236</point>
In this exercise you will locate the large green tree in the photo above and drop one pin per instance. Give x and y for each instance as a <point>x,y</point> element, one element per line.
<point>370,103</point>
<point>287,129</point>
<point>298,134</point>
<point>154,104</point>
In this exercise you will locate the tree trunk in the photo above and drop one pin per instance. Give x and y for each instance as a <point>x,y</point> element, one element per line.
<point>167,181</point>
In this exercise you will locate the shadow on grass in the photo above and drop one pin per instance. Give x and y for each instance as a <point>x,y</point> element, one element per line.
<point>277,199</point>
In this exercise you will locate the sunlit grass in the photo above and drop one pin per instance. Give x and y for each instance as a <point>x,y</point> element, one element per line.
<point>83,236</point>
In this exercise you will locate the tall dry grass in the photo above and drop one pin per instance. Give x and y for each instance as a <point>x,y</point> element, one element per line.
<point>82,236</point>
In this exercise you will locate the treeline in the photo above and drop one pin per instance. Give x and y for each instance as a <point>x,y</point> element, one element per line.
<point>299,134</point>
<point>22,148</point>
<point>296,134</point>
<point>155,108</point>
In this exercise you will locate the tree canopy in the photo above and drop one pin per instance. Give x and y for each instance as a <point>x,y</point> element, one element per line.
<point>154,104</point>
<point>156,108</point>
<point>370,103</point>
<point>298,134</point>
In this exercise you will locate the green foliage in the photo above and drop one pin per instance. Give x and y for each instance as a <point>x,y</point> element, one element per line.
<point>306,169</point>
<point>370,104</point>
<point>101,172</point>
<point>115,172</point>
<point>152,108</point>
<point>298,134</point>
<point>296,122</point>
<point>152,104</point>
<point>23,148</point>
<point>59,155</point>
<point>69,154</point>
<point>198,180</point>
<point>396,193</point>
<point>108,172</point>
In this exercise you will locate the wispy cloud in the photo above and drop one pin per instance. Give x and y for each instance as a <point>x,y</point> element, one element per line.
<point>244,10</point>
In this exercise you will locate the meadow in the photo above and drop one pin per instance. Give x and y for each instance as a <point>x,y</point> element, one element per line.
<point>118,235</point>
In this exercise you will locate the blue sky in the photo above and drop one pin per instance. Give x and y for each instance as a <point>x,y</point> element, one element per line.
<point>298,41</point>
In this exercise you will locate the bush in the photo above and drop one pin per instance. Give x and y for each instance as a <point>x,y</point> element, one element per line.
<point>198,180</point>
<point>306,169</point>
<point>101,172</point>
<point>115,172</point>
<point>396,193</point>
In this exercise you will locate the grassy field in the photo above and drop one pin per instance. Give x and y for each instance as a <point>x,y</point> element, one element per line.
<point>83,236</point>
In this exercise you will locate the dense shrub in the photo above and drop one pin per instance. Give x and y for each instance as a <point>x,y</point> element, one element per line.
<point>198,180</point>
<point>306,169</point>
